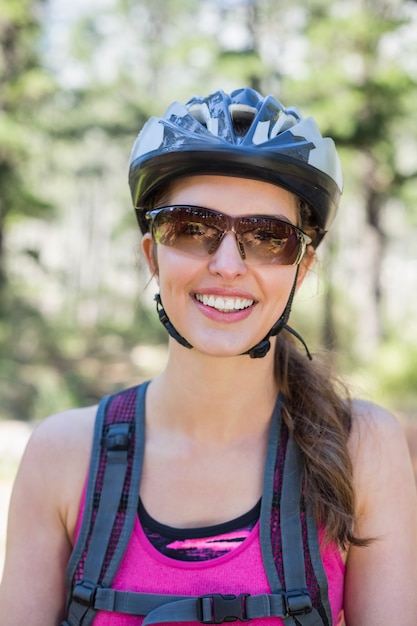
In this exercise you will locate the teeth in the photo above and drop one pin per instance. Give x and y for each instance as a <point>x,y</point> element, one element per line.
<point>224,304</point>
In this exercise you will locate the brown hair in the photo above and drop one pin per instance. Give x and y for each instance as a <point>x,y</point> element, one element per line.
<point>318,413</point>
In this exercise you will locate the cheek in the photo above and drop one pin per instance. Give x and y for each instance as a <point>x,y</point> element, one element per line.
<point>174,269</point>
<point>278,281</point>
<point>276,290</point>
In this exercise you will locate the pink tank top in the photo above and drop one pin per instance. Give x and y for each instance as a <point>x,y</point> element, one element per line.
<point>144,569</point>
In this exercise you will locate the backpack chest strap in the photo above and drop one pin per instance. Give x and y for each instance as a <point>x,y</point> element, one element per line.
<point>206,609</point>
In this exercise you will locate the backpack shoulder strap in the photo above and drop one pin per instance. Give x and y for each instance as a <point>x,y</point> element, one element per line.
<point>298,603</point>
<point>90,584</point>
<point>111,501</point>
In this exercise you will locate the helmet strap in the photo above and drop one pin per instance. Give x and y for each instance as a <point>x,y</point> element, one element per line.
<point>260,349</point>
<point>165,321</point>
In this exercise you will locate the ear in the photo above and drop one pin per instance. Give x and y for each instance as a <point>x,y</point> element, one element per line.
<point>306,263</point>
<point>149,252</point>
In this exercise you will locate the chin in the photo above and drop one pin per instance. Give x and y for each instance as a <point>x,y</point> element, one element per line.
<point>221,349</point>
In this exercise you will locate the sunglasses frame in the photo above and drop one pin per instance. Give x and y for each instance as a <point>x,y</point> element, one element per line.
<point>230,221</point>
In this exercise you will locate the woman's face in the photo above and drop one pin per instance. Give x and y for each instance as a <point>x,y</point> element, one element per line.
<point>221,305</point>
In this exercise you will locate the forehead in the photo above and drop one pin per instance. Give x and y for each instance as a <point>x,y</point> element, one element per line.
<point>235,196</point>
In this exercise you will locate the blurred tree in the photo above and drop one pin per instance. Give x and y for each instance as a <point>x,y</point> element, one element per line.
<point>350,65</point>
<point>79,306</point>
<point>23,86</point>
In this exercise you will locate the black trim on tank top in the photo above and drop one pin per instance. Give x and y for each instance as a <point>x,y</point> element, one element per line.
<point>251,517</point>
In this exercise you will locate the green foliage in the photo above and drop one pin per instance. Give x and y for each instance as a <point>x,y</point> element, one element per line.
<point>23,86</point>
<point>72,315</point>
<point>246,64</point>
<point>362,95</point>
<point>49,364</point>
<point>390,377</point>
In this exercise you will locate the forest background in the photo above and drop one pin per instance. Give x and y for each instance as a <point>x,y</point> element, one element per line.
<point>77,81</point>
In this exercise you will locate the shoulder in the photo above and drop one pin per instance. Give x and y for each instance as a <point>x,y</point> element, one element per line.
<point>380,456</point>
<point>372,423</point>
<point>374,429</point>
<point>56,460</point>
<point>43,513</point>
<point>63,438</point>
<point>381,579</point>
<point>375,433</point>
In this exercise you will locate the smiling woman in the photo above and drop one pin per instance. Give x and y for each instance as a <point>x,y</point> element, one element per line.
<point>240,252</point>
<point>241,483</point>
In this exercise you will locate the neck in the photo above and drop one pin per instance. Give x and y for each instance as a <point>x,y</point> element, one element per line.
<point>217,398</point>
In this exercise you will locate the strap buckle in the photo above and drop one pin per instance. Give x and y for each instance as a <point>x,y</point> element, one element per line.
<point>117,438</point>
<point>85,593</point>
<point>297,602</point>
<point>218,608</point>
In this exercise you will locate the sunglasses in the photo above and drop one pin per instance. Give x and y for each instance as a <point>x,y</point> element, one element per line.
<point>261,239</point>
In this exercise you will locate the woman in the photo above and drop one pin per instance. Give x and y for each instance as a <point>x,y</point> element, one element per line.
<point>233,193</point>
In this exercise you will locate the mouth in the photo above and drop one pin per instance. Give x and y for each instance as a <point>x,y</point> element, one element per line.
<point>224,304</point>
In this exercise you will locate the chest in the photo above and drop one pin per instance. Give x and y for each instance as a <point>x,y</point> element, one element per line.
<point>200,485</point>
<point>283,524</point>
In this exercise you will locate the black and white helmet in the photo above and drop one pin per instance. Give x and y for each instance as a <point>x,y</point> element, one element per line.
<point>245,135</point>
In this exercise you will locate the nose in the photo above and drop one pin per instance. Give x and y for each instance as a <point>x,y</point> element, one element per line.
<point>228,258</point>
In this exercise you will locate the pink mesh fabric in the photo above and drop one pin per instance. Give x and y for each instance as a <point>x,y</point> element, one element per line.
<point>120,409</point>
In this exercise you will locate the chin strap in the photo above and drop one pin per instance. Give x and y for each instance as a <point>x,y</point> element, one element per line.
<point>260,349</point>
<point>300,339</point>
<point>165,321</point>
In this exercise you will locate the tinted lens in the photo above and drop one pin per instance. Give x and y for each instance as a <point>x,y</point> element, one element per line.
<point>263,240</point>
<point>270,241</point>
<point>195,231</point>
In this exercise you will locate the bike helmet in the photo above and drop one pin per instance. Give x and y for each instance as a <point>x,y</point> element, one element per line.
<point>245,135</point>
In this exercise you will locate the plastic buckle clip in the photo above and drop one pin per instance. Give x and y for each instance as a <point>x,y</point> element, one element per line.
<point>298,602</point>
<point>218,608</point>
<point>85,593</point>
<point>117,438</point>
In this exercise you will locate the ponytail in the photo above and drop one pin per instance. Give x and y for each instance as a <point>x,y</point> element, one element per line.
<point>318,414</point>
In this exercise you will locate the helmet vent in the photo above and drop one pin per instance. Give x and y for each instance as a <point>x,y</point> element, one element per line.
<point>285,122</point>
<point>201,113</point>
<point>242,117</point>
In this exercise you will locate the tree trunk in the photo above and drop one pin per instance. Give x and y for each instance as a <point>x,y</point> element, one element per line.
<point>370,327</point>
<point>329,327</point>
